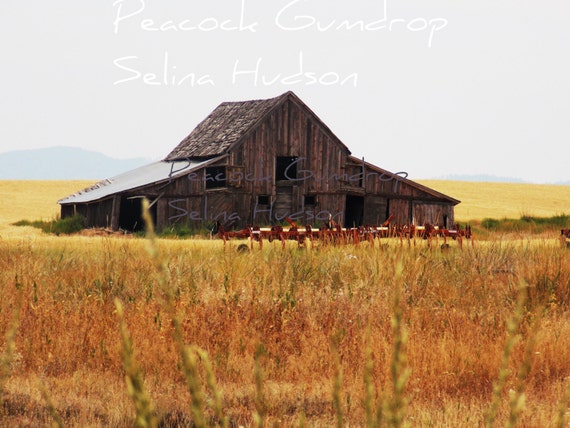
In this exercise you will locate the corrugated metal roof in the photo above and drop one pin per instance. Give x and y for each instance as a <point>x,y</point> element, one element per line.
<point>152,173</point>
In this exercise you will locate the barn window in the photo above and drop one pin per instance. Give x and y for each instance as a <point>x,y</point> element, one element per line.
<point>215,177</point>
<point>286,168</point>
<point>309,200</point>
<point>263,200</point>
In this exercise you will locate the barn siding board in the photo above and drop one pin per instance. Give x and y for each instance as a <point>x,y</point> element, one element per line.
<point>291,146</point>
<point>161,221</point>
<point>401,210</point>
<point>103,213</point>
<point>435,214</point>
<point>115,212</point>
<point>218,206</point>
<point>285,119</point>
<point>83,210</point>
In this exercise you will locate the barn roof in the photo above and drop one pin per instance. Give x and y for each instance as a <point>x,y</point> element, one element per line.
<point>384,173</point>
<point>153,173</point>
<point>229,123</point>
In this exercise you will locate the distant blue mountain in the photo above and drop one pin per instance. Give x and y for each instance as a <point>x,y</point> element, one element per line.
<point>481,178</point>
<point>62,163</point>
<point>491,179</point>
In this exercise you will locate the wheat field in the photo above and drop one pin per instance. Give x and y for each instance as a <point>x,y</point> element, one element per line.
<point>500,200</point>
<point>32,200</point>
<point>108,331</point>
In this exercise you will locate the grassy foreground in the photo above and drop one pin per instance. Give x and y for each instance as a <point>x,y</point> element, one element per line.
<point>99,331</point>
<point>293,336</point>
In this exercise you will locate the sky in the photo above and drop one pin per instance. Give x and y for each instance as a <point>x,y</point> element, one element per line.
<point>433,89</point>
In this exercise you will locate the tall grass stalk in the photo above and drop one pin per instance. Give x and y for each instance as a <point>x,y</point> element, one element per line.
<point>337,387</point>
<point>190,369</point>
<point>199,401</point>
<point>563,408</point>
<point>215,403</point>
<point>7,356</point>
<point>513,338</point>
<point>153,249</point>
<point>260,403</point>
<point>188,354</point>
<point>396,406</point>
<point>145,414</point>
<point>57,421</point>
<point>373,417</point>
<point>518,398</point>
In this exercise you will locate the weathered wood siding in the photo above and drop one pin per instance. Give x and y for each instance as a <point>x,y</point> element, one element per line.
<point>289,131</point>
<point>97,214</point>
<point>436,214</point>
<point>375,209</point>
<point>328,182</point>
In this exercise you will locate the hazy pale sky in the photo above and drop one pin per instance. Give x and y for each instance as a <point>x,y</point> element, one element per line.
<point>429,88</point>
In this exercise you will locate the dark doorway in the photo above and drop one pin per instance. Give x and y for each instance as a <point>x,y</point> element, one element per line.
<point>354,211</point>
<point>130,217</point>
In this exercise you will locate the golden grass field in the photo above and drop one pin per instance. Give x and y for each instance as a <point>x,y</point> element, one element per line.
<point>32,200</point>
<point>499,200</point>
<point>401,333</point>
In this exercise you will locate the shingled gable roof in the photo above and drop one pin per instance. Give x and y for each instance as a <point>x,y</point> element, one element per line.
<point>229,123</point>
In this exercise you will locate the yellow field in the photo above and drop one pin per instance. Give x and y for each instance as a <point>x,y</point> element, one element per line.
<point>331,335</point>
<point>32,200</point>
<point>500,200</point>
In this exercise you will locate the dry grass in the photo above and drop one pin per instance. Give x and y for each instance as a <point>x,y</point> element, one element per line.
<point>301,308</point>
<point>287,337</point>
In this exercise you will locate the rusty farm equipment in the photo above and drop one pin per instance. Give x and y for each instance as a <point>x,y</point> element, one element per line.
<point>334,233</point>
<point>565,237</point>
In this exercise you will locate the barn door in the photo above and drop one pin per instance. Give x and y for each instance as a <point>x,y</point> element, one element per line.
<point>283,206</point>
<point>130,214</point>
<point>428,213</point>
<point>354,212</point>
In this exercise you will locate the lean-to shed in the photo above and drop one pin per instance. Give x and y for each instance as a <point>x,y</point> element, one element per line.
<point>258,162</point>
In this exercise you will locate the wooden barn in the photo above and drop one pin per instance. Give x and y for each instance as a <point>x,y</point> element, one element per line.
<point>258,162</point>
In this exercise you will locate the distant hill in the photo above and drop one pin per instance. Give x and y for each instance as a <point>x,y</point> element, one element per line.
<point>486,178</point>
<point>62,163</point>
<point>481,178</point>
